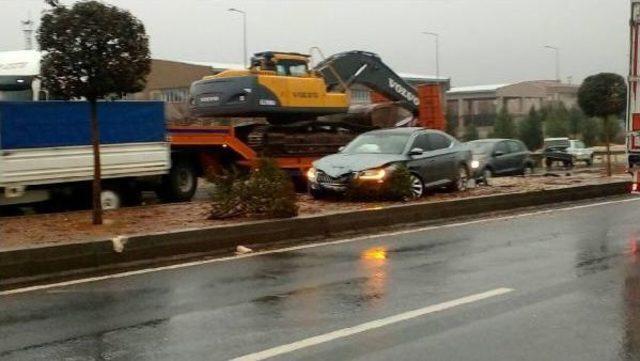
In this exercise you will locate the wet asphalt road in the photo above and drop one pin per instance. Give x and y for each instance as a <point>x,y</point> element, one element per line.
<point>576,296</point>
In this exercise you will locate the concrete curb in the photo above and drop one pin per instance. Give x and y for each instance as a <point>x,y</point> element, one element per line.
<point>39,263</point>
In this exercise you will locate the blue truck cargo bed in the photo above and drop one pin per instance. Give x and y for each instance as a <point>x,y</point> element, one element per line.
<point>63,123</point>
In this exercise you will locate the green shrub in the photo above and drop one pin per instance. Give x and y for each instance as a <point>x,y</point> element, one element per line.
<point>398,185</point>
<point>226,193</point>
<point>266,192</point>
<point>269,191</point>
<point>470,133</point>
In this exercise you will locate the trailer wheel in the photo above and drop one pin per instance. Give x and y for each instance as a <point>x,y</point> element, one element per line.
<point>180,184</point>
<point>110,199</point>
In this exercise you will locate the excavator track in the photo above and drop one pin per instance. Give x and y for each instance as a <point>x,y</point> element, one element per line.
<point>301,139</point>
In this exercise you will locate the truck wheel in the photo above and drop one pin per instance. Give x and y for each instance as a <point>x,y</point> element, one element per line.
<point>180,184</point>
<point>548,162</point>
<point>110,199</point>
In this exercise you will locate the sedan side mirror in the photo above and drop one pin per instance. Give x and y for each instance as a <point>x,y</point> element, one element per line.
<point>498,153</point>
<point>416,151</point>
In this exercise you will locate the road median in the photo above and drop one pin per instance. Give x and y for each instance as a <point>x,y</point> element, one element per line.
<point>40,263</point>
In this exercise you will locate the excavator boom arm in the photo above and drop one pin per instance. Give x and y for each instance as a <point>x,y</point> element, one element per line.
<point>362,67</point>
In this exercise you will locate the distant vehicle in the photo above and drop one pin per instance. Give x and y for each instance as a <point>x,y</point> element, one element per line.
<point>434,159</point>
<point>567,151</point>
<point>499,157</point>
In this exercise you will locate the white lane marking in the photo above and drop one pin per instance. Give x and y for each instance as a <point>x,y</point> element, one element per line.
<point>296,248</point>
<point>368,326</point>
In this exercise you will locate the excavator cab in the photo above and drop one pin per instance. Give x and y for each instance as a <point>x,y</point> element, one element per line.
<point>282,64</point>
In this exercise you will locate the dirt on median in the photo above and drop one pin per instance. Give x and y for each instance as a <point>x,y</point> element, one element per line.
<point>25,231</point>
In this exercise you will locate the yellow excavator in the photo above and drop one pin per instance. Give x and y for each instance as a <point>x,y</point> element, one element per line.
<point>299,103</point>
<point>280,84</point>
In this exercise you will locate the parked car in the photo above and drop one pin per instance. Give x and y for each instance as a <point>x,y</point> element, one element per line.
<point>499,157</point>
<point>567,151</point>
<point>433,158</point>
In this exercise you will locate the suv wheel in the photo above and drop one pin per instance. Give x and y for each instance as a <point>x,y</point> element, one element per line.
<point>487,174</point>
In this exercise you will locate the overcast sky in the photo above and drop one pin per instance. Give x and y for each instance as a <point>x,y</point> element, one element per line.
<point>482,41</point>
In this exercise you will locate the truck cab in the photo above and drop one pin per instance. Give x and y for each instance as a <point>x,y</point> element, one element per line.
<point>19,76</point>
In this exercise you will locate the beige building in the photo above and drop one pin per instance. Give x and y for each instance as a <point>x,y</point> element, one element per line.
<point>481,104</point>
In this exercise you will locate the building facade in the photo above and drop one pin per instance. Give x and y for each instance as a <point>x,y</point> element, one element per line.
<point>481,104</point>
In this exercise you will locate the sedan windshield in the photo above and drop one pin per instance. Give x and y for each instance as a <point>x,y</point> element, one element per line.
<point>378,144</point>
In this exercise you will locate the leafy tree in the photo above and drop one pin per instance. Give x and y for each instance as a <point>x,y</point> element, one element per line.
<point>556,123</point>
<point>576,118</point>
<point>452,124</point>
<point>590,129</point>
<point>610,129</point>
<point>93,50</point>
<point>603,95</point>
<point>530,130</point>
<point>504,126</point>
<point>470,132</point>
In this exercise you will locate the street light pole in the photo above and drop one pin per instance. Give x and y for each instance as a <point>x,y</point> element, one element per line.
<point>557,51</point>
<point>437,38</point>
<point>244,31</point>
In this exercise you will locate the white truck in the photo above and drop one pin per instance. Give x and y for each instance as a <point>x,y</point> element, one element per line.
<point>45,151</point>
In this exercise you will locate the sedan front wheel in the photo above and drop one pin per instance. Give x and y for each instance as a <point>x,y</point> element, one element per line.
<point>417,187</point>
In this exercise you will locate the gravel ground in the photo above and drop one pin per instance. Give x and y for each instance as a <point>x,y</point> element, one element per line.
<point>25,231</point>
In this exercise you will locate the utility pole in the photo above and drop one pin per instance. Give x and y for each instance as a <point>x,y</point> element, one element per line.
<point>437,38</point>
<point>27,30</point>
<point>244,31</point>
<point>557,51</point>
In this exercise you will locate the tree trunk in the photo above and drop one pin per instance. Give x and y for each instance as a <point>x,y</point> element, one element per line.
<point>607,140</point>
<point>95,141</point>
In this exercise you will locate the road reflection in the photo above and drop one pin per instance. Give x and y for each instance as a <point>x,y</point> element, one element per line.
<point>373,262</point>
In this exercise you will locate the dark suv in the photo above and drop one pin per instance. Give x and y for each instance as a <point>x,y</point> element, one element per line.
<point>500,157</point>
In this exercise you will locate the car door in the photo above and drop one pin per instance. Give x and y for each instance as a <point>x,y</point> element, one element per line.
<point>422,164</point>
<point>444,162</point>
<point>501,158</point>
<point>518,156</point>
